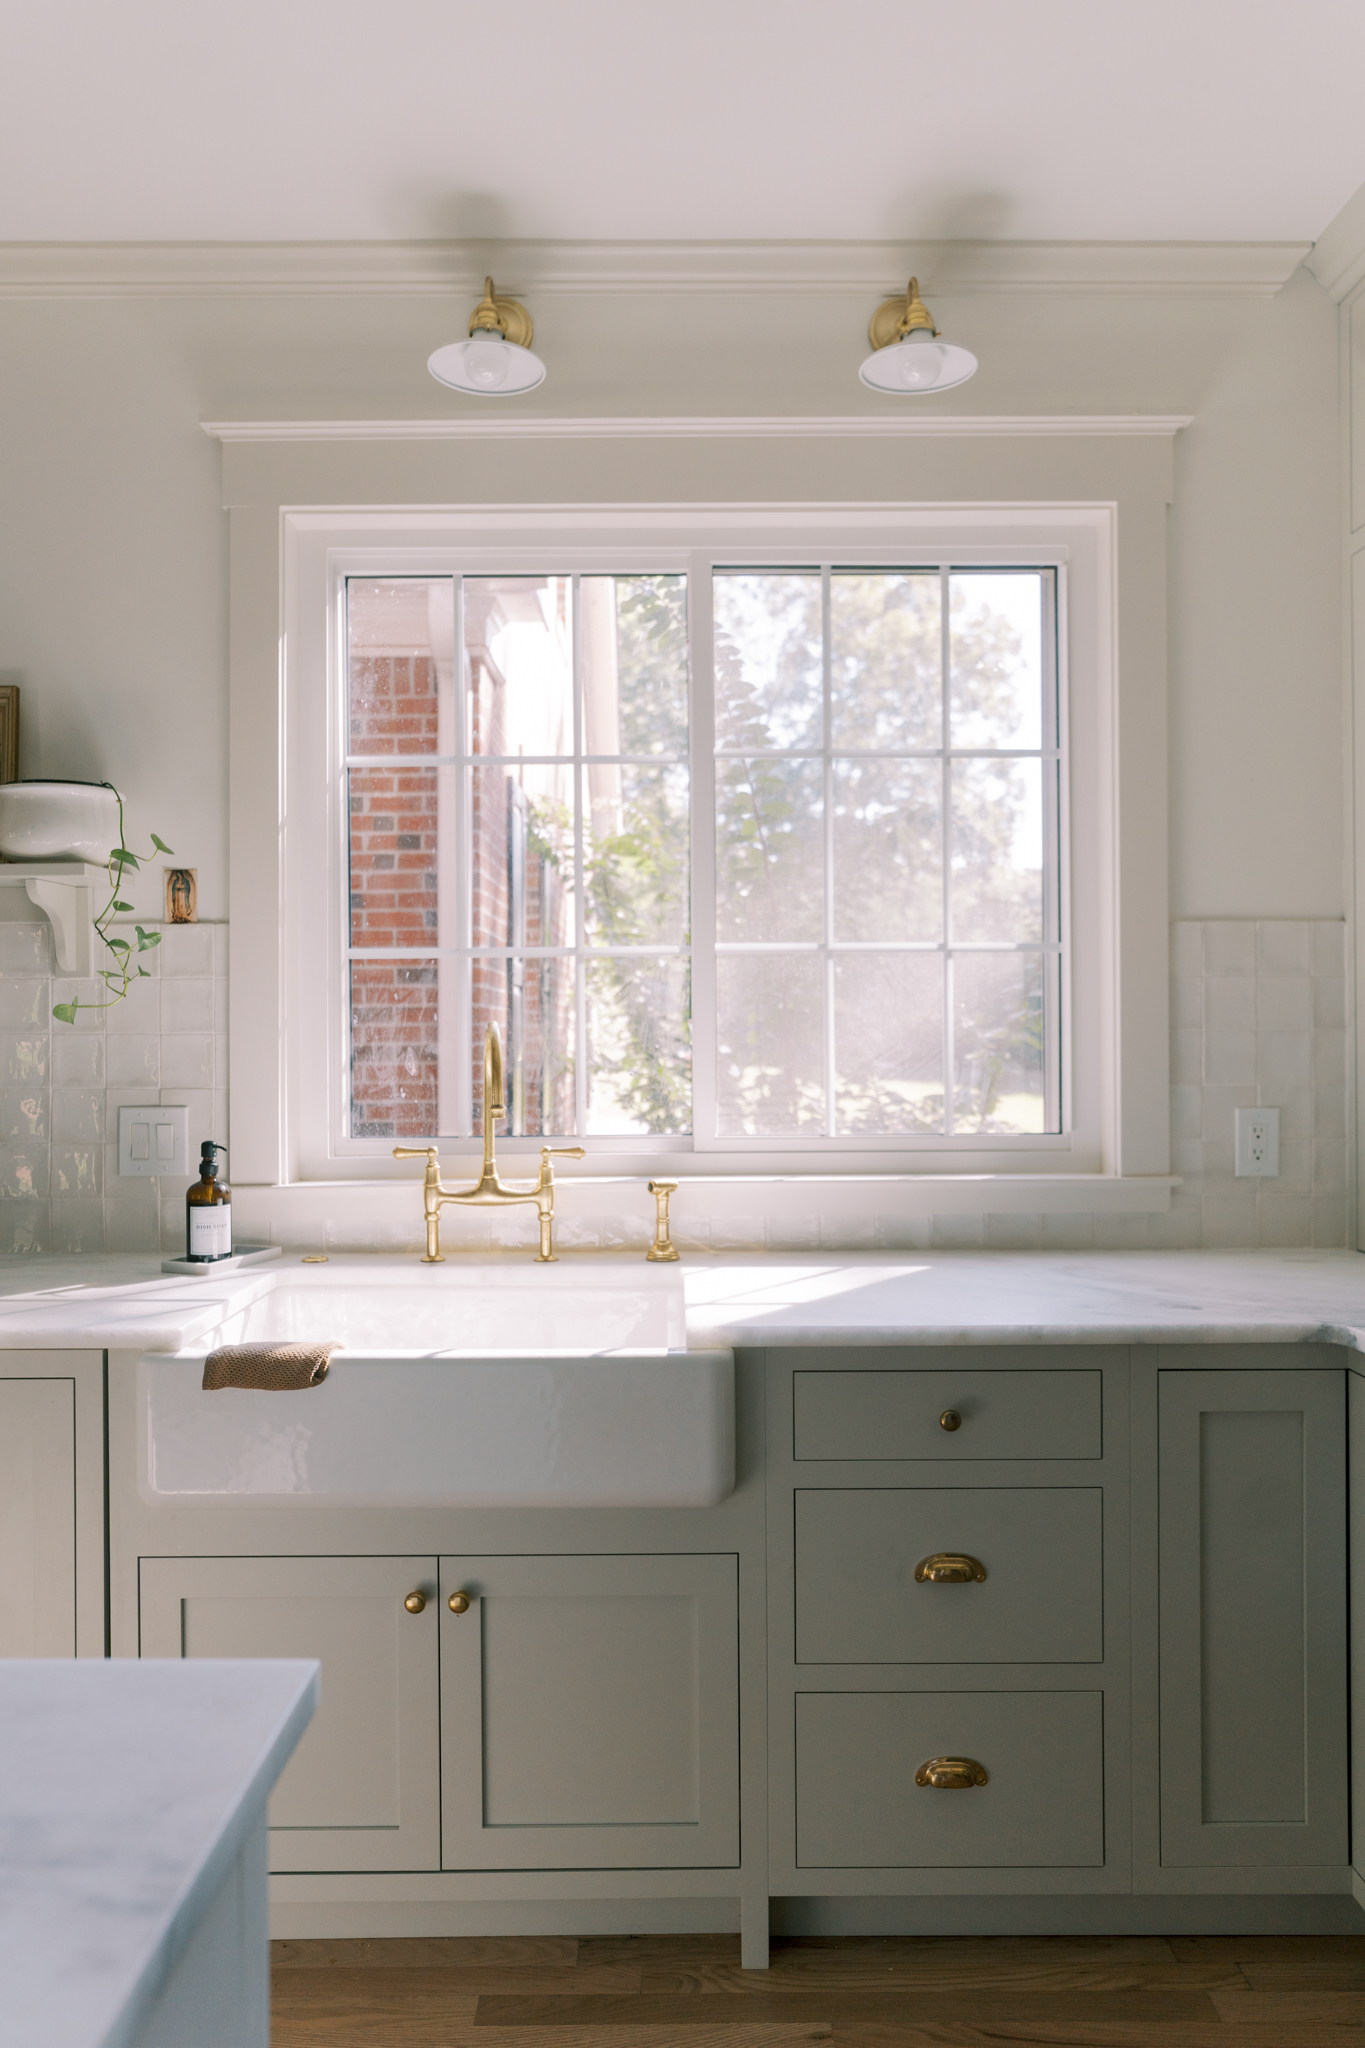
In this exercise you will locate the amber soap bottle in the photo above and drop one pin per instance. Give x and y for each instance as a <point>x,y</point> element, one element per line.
<point>208,1211</point>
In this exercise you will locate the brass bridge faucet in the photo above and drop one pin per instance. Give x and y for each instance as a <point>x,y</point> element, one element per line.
<point>489,1192</point>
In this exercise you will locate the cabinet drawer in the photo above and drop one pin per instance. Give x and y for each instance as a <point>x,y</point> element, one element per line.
<point>858,1806</point>
<point>858,1602</point>
<point>1024,1414</point>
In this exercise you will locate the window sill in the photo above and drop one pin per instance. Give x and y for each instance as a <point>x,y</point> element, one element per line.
<point>598,1212</point>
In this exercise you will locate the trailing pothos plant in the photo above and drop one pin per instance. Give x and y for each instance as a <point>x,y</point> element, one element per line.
<point>124,969</point>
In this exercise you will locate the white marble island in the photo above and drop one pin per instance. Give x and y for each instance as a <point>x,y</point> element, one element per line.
<point>133,1851</point>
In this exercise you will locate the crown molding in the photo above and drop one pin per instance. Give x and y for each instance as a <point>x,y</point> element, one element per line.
<point>1337,258</point>
<point>55,270</point>
<point>857,427</point>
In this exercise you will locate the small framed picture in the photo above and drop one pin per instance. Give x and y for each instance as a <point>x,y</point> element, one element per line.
<point>9,732</point>
<point>182,895</point>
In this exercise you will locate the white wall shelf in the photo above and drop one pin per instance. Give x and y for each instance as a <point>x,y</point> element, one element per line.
<point>64,891</point>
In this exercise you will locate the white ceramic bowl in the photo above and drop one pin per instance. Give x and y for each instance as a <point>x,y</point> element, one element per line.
<point>57,821</point>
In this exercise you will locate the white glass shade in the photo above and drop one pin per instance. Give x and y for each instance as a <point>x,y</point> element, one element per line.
<point>919,364</point>
<point>488,366</point>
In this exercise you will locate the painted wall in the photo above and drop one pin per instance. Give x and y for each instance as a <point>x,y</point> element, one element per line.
<point>113,557</point>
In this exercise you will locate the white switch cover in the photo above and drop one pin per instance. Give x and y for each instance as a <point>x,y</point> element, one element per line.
<point>1258,1142</point>
<point>154,1138</point>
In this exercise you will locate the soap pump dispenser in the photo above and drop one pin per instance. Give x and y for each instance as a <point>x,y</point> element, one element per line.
<point>208,1210</point>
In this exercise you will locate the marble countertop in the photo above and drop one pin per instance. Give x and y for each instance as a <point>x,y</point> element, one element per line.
<point>124,1302</point>
<point>127,1791</point>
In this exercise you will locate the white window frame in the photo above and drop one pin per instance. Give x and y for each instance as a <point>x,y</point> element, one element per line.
<point>320,549</point>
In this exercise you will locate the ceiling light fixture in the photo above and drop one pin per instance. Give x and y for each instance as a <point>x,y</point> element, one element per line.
<point>907,354</point>
<point>496,361</point>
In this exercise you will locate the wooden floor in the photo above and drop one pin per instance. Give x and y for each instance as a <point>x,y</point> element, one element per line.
<point>688,1991</point>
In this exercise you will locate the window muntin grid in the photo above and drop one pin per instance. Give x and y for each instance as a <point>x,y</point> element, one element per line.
<point>517,851</point>
<point>887,786</point>
<point>841,986</point>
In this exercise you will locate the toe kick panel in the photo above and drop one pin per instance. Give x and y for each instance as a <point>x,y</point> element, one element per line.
<point>859,1804</point>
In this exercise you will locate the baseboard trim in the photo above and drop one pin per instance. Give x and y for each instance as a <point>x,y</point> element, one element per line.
<point>378,1920</point>
<point>1310,1913</point>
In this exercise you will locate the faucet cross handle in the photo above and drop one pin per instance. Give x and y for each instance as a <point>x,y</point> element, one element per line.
<point>549,1152</point>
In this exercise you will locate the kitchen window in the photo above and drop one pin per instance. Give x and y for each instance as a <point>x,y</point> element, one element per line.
<point>754,856</point>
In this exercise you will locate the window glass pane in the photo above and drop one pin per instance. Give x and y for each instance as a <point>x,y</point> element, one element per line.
<point>639,1046</point>
<point>770,1051</point>
<point>888,850</point>
<point>769,665</point>
<point>769,854</point>
<point>996,637</point>
<point>997,850</point>
<point>886,662</point>
<point>634,664</point>
<point>518,637</point>
<point>888,1039</point>
<point>400,664</point>
<point>635,854</point>
<point>521,867</point>
<point>394,814</point>
<point>998,1042</point>
<point>394,1057</point>
<point>532,1004</point>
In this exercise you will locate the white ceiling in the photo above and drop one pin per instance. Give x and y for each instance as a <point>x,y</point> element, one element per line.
<point>998,119</point>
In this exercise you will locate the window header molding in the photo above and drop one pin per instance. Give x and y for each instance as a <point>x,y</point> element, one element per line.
<point>738,427</point>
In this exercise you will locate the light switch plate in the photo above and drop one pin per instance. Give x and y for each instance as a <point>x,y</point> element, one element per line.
<point>154,1138</point>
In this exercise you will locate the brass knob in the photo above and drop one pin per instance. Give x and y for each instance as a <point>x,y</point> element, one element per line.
<point>950,1419</point>
<point>415,1602</point>
<point>458,1603</point>
<point>951,1773</point>
<point>949,1568</point>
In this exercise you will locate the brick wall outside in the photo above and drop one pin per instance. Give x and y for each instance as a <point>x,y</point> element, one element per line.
<point>394,831</point>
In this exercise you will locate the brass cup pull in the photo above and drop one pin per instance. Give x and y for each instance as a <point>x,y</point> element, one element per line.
<point>458,1603</point>
<point>415,1602</point>
<point>950,1419</point>
<point>951,1773</point>
<point>949,1568</point>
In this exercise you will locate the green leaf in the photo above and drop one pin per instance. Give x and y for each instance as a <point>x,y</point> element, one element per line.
<point>121,857</point>
<point>143,972</point>
<point>119,945</point>
<point>65,1013</point>
<point>161,845</point>
<point>116,905</point>
<point>146,939</point>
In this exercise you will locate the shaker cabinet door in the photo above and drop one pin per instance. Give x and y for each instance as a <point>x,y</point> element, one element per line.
<point>1253,1618</point>
<point>37,1518</point>
<point>589,1713</point>
<point>361,1790</point>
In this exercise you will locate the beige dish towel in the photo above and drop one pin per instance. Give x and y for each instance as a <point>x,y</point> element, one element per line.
<point>273,1368</point>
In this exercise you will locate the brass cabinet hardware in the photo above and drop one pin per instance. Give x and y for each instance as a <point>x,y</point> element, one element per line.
<point>951,1773</point>
<point>458,1603</point>
<point>663,1248</point>
<point>415,1602</point>
<point>950,1419</point>
<point>949,1568</point>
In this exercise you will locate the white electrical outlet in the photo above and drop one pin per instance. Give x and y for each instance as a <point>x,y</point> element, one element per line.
<point>154,1139</point>
<point>1258,1142</point>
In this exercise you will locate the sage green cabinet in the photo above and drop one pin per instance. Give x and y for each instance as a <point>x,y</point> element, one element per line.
<point>361,1790</point>
<point>858,1600</point>
<point>1252,1520</point>
<point>863,1795</point>
<point>579,1713</point>
<point>590,1713</point>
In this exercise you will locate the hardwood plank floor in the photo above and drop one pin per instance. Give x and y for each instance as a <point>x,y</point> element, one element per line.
<point>688,1991</point>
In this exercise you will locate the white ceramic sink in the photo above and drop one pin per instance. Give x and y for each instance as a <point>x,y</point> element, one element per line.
<point>456,1386</point>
